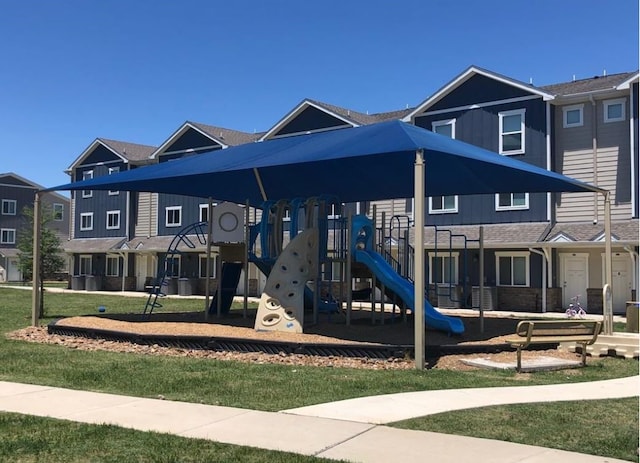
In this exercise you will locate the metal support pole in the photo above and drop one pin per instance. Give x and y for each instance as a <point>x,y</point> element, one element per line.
<point>481,285</point>
<point>348,258</point>
<point>207,283</point>
<point>419,328</point>
<point>608,274</point>
<point>247,236</point>
<point>35,295</point>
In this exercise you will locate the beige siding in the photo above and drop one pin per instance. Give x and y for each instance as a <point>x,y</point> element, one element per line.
<point>147,224</point>
<point>389,207</point>
<point>609,169</point>
<point>72,212</point>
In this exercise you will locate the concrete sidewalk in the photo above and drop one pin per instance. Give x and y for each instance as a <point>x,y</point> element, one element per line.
<point>339,437</point>
<point>396,407</point>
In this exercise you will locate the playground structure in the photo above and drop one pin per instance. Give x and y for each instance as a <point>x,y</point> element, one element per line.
<point>310,252</point>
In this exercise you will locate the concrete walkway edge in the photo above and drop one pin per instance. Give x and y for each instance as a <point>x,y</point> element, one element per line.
<point>309,435</point>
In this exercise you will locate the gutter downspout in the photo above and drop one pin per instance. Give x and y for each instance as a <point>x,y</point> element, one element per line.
<point>632,150</point>
<point>594,147</point>
<point>544,277</point>
<point>634,266</point>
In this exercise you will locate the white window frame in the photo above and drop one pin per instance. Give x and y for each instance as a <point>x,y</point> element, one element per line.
<point>566,110</point>
<point>113,170</point>
<point>85,258</point>
<point>115,214</point>
<point>525,206</point>
<point>617,101</point>
<point>167,211</point>
<point>58,212</point>
<point>512,254</point>
<point>89,217</point>
<point>174,258</point>
<point>111,259</point>
<point>204,210</point>
<point>501,133</point>
<point>202,265</point>
<point>87,175</point>
<point>451,122</point>
<point>443,210</point>
<point>7,203</point>
<point>7,236</point>
<point>442,255</point>
<point>332,211</point>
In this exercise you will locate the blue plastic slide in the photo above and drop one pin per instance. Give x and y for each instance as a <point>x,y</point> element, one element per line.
<point>406,291</point>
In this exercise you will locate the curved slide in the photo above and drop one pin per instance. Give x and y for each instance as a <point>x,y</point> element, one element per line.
<point>406,291</point>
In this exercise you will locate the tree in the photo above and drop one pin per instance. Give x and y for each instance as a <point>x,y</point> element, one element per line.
<point>51,260</point>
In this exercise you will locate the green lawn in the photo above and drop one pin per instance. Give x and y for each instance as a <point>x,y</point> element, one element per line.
<point>598,427</point>
<point>234,383</point>
<point>28,439</point>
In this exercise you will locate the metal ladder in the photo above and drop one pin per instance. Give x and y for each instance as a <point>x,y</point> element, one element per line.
<point>183,237</point>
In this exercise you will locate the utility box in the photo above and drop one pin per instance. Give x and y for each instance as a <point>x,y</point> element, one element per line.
<point>632,317</point>
<point>489,297</point>
<point>449,296</point>
<point>185,287</point>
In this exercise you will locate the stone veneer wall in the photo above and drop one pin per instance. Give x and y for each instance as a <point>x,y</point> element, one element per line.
<point>528,299</point>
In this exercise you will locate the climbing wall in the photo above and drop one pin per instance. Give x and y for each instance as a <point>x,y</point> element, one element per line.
<point>282,303</point>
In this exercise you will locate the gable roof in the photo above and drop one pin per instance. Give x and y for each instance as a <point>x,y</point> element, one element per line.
<point>218,135</point>
<point>348,116</point>
<point>464,77</point>
<point>128,152</point>
<point>29,183</point>
<point>591,85</point>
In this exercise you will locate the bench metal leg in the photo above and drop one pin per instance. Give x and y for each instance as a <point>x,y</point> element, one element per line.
<point>584,354</point>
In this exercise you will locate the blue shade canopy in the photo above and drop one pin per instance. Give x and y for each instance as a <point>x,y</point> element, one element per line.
<point>357,164</point>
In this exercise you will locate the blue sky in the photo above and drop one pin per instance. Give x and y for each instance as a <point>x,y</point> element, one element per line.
<point>135,70</point>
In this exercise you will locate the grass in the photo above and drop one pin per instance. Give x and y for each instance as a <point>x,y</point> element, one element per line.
<point>27,439</point>
<point>596,427</point>
<point>235,384</point>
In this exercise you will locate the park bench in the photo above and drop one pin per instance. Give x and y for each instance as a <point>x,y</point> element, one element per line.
<point>528,332</point>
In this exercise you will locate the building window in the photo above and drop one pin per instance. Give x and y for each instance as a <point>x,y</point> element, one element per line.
<point>87,175</point>
<point>572,116</point>
<point>113,170</point>
<point>443,204</point>
<point>614,110</point>
<point>512,268</point>
<point>173,216</point>
<point>86,221</point>
<point>511,131</point>
<point>113,266</point>
<point>172,266</point>
<point>204,211</point>
<point>85,265</point>
<point>446,128</point>
<point>512,201</point>
<point>202,266</point>
<point>58,212</point>
<point>443,267</point>
<point>9,206</point>
<point>113,220</point>
<point>7,236</point>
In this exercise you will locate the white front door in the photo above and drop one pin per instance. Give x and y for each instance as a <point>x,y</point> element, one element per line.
<point>13,270</point>
<point>141,271</point>
<point>575,277</point>
<point>621,281</point>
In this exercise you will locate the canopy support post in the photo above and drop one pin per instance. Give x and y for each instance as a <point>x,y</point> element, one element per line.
<point>260,185</point>
<point>418,310</point>
<point>608,277</point>
<point>36,295</point>
<point>207,274</point>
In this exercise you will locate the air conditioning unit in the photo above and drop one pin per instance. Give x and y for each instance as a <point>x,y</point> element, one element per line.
<point>489,297</point>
